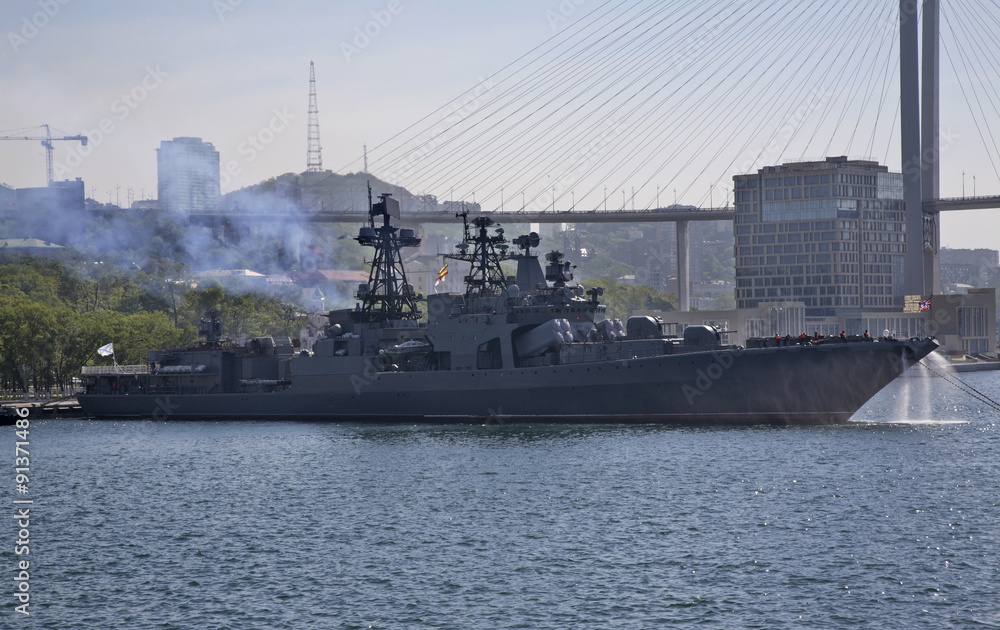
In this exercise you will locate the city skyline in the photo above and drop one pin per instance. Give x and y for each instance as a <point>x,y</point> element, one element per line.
<point>235,73</point>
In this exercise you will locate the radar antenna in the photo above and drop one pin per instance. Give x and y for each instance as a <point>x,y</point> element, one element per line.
<point>486,277</point>
<point>387,295</point>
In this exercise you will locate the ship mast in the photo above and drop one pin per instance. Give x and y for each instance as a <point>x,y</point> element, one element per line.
<point>486,277</point>
<point>387,296</point>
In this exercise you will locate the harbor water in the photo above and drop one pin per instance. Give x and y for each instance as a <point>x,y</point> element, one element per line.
<point>892,521</point>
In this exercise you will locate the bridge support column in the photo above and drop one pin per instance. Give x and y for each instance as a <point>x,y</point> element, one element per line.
<point>931,142</point>
<point>683,266</point>
<point>909,86</point>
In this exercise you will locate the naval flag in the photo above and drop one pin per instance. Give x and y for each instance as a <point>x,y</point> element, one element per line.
<point>106,351</point>
<point>441,274</point>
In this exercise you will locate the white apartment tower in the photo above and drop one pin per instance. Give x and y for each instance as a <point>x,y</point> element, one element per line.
<point>187,175</point>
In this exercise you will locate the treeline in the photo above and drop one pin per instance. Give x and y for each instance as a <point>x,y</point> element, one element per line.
<point>613,249</point>
<point>624,300</point>
<point>54,316</point>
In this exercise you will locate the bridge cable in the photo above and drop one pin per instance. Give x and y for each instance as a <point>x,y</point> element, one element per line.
<point>971,35</point>
<point>965,94</point>
<point>472,90</point>
<point>963,386</point>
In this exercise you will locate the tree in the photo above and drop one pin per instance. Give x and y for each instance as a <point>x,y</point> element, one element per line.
<point>623,300</point>
<point>54,316</point>
<point>724,302</point>
<point>603,266</point>
<point>246,314</point>
<point>133,335</point>
<point>28,342</point>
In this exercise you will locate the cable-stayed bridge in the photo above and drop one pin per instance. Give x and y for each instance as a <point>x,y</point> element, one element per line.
<point>680,96</point>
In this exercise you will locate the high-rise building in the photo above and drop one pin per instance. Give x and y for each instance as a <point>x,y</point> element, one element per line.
<point>829,234</point>
<point>187,175</point>
<point>54,213</point>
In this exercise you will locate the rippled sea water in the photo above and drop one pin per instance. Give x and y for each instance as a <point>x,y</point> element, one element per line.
<point>890,522</point>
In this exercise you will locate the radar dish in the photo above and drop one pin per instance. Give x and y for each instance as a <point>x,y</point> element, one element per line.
<point>533,239</point>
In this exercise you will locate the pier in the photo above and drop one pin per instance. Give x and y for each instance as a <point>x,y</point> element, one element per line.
<point>61,408</point>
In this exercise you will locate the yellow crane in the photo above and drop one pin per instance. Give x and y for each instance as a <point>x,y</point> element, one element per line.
<point>47,141</point>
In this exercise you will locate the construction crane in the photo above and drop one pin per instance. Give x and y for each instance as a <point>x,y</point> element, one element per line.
<point>47,141</point>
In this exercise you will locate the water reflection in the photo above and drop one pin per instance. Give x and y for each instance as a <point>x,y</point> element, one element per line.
<point>936,394</point>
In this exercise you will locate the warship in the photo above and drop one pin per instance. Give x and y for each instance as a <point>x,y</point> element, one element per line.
<point>532,347</point>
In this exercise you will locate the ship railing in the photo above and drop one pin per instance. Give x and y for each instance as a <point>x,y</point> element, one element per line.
<point>103,370</point>
<point>163,389</point>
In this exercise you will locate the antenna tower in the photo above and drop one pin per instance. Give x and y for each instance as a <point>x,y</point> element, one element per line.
<point>388,295</point>
<point>314,157</point>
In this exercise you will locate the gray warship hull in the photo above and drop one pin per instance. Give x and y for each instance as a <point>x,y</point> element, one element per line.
<point>499,353</point>
<point>790,385</point>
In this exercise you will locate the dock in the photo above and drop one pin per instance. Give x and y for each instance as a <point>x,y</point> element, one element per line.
<point>60,408</point>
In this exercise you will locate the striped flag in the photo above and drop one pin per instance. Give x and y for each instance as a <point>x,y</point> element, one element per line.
<point>441,275</point>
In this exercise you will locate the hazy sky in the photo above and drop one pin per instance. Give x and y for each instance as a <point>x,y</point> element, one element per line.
<point>224,70</point>
<point>131,73</point>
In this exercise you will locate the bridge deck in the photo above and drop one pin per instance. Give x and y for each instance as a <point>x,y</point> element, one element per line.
<point>567,216</point>
<point>564,216</point>
<point>962,203</point>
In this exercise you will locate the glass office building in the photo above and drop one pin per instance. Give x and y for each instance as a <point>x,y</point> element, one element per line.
<point>829,234</point>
